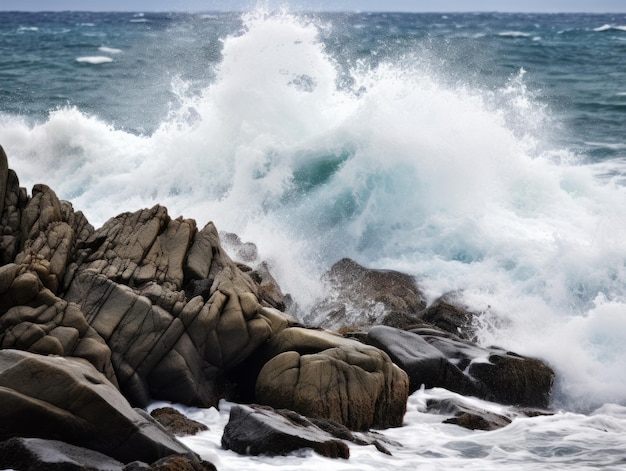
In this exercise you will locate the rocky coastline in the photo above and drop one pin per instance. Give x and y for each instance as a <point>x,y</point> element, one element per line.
<point>97,323</point>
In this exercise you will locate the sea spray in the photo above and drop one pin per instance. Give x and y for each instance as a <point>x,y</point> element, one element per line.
<point>314,157</point>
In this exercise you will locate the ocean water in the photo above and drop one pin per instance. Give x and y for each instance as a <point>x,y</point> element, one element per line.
<point>482,153</point>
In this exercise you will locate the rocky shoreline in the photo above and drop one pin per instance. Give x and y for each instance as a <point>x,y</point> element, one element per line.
<point>97,323</point>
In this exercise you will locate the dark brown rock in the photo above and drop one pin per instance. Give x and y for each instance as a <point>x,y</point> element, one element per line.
<point>35,454</point>
<point>359,297</point>
<point>254,430</point>
<point>177,423</point>
<point>439,359</point>
<point>14,200</point>
<point>424,364</point>
<point>448,313</point>
<point>68,400</point>
<point>181,463</point>
<point>471,418</point>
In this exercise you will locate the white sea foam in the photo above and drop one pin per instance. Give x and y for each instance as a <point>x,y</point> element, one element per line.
<point>457,186</point>
<point>109,50</point>
<point>562,441</point>
<point>94,59</point>
<point>610,28</point>
<point>514,34</point>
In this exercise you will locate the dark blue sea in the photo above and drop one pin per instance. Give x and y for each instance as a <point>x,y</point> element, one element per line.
<point>483,153</point>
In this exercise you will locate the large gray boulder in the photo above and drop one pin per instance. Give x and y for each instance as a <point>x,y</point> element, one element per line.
<point>323,375</point>
<point>67,399</point>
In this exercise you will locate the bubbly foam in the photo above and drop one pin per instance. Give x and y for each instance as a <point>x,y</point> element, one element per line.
<point>109,50</point>
<point>458,186</point>
<point>95,60</point>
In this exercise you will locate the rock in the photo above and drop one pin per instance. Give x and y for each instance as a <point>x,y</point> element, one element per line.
<point>504,377</point>
<point>33,319</point>
<point>166,344</point>
<point>254,430</point>
<point>4,177</point>
<point>448,313</point>
<point>177,423</point>
<point>471,418</point>
<point>245,252</point>
<point>424,364</point>
<point>268,289</point>
<point>13,200</point>
<point>67,399</point>
<point>360,297</point>
<point>322,375</point>
<point>35,454</point>
<point>439,359</point>
<point>181,463</point>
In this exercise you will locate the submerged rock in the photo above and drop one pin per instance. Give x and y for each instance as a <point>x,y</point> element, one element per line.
<point>472,418</point>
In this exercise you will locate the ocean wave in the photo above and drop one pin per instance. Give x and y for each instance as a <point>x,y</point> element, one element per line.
<point>400,169</point>
<point>608,27</point>
<point>109,50</point>
<point>514,34</point>
<point>95,60</point>
<point>28,29</point>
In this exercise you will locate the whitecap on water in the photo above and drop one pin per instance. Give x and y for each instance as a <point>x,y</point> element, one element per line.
<point>109,50</point>
<point>95,60</point>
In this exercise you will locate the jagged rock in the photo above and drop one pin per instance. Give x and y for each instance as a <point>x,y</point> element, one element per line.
<point>33,319</point>
<point>177,423</point>
<point>322,375</point>
<point>268,289</point>
<point>471,418</point>
<point>245,252</point>
<point>4,176</point>
<point>166,344</point>
<point>488,373</point>
<point>35,454</point>
<point>254,430</point>
<point>68,400</point>
<point>13,200</point>
<point>360,297</point>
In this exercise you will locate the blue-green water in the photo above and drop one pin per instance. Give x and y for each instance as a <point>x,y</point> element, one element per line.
<point>574,62</point>
<point>482,153</point>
